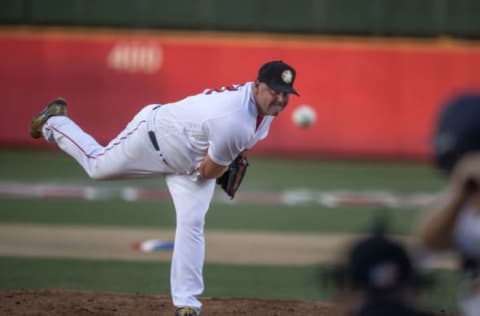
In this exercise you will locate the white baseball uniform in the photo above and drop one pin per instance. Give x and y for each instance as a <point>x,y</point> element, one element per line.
<point>172,140</point>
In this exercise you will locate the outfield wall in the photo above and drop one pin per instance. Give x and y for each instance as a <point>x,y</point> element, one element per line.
<point>457,18</point>
<point>373,98</point>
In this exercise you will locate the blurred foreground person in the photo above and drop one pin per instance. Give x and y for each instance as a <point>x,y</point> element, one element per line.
<point>379,279</point>
<point>454,222</point>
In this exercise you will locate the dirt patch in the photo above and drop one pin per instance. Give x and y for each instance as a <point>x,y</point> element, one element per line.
<point>83,303</point>
<point>225,247</point>
<point>61,302</point>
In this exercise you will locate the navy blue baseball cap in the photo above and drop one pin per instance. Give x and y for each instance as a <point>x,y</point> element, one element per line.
<point>278,75</point>
<point>457,130</point>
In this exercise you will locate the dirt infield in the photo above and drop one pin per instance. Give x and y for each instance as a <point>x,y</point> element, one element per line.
<point>83,303</point>
<point>225,247</point>
<point>60,302</point>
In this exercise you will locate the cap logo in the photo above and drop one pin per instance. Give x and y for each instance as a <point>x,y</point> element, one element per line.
<point>445,142</point>
<point>384,275</point>
<point>287,76</point>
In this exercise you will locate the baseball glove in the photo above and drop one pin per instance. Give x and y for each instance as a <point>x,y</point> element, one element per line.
<point>232,178</point>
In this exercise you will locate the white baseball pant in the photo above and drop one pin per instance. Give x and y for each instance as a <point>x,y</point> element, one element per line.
<point>130,155</point>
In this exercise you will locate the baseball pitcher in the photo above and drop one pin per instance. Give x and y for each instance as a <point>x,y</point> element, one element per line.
<point>194,143</point>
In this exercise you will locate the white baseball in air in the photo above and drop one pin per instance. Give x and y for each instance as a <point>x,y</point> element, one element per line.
<point>304,115</point>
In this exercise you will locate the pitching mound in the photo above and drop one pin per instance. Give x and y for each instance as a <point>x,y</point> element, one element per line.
<point>73,303</point>
<point>63,302</point>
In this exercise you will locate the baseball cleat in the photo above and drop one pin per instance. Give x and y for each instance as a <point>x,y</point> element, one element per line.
<point>54,108</point>
<point>187,311</point>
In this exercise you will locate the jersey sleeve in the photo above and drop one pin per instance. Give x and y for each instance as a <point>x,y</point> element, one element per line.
<point>227,139</point>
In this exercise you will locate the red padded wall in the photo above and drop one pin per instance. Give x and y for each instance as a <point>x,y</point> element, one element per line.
<point>372,98</point>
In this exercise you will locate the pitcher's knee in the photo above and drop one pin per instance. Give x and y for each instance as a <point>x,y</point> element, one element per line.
<point>96,174</point>
<point>192,223</point>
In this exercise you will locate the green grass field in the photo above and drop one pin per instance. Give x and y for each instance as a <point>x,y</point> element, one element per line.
<point>260,281</point>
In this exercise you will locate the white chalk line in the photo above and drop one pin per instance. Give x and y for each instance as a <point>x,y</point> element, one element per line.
<point>291,197</point>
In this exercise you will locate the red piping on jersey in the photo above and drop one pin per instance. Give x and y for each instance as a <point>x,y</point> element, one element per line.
<point>259,121</point>
<point>106,149</point>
